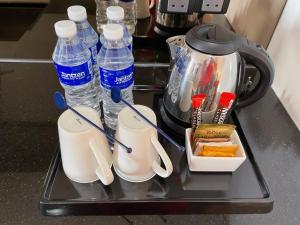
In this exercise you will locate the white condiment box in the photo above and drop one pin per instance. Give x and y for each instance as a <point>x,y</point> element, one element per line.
<point>214,164</point>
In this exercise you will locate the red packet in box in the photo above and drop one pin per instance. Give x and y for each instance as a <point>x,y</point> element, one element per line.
<point>197,103</point>
<point>225,103</point>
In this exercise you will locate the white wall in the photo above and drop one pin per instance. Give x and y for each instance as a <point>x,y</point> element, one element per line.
<point>284,49</point>
<point>255,19</point>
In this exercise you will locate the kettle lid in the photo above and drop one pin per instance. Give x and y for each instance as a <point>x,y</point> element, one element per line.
<point>213,39</point>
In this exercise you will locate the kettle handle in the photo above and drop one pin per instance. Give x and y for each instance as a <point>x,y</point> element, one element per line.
<point>257,56</point>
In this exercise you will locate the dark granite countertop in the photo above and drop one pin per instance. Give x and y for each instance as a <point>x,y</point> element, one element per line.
<point>28,137</point>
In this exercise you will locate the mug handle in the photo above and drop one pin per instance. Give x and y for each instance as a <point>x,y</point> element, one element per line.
<point>165,158</point>
<point>103,172</point>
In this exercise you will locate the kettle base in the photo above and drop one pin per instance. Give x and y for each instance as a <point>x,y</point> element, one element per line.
<point>169,32</point>
<point>177,127</point>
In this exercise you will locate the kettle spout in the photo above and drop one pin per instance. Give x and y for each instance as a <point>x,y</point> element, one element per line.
<point>176,44</point>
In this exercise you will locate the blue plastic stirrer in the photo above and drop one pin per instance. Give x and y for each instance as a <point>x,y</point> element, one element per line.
<point>60,103</point>
<point>116,96</point>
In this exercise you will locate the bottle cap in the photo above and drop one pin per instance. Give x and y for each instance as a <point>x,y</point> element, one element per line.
<point>77,13</point>
<point>65,28</point>
<point>115,13</point>
<point>113,32</point>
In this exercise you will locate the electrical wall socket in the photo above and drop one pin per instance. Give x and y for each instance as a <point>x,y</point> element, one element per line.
<point>193,6</point>
<point>179,6</point>
<point>212,5</point>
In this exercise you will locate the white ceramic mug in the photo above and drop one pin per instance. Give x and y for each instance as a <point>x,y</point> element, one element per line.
<point>84,150</point>
<point>144,160</point>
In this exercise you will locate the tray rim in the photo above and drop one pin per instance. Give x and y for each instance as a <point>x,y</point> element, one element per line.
<point>149,207</point>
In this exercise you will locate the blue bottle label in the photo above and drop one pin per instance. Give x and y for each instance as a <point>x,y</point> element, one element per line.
<point>75,75</point>
<point>120,78</point>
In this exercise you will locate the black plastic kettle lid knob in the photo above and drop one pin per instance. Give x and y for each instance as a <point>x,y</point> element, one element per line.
<point>213,39</point>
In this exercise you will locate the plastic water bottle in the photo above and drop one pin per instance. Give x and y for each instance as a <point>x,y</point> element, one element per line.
<point>115,62</point>
<point>129,7</point>
<point>115,15</point>
<point>101,6</point>
<point>88,37</point>
<point>74,66</point>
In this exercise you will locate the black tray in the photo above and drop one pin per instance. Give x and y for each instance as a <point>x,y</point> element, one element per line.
<point>243,191</point>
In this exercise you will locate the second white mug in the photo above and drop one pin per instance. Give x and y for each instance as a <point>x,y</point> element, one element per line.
<point>144,161</point>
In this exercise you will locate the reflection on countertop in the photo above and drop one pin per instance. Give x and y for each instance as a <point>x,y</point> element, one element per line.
<point>33,36</point>
<point>30,34</point>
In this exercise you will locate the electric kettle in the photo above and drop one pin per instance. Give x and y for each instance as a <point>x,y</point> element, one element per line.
<point>211,60</point>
